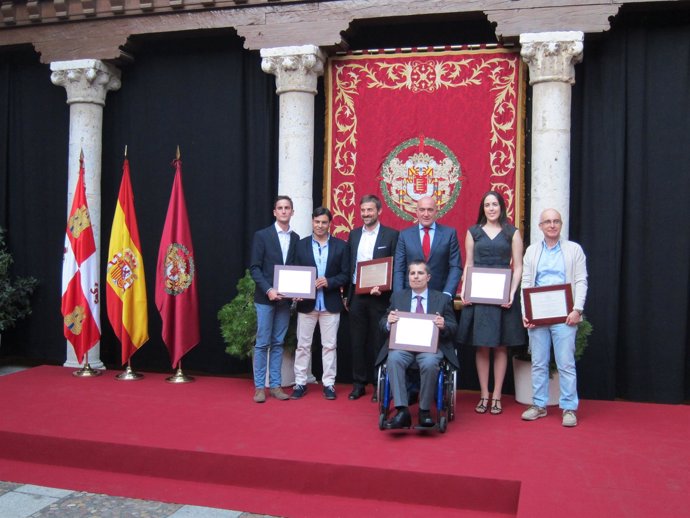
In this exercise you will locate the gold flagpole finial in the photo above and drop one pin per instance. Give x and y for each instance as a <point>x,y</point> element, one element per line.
<point>81,155</point>
<point>177,155</point>
<point>125,150</point>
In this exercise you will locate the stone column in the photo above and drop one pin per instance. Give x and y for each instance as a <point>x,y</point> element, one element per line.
<point>296,70</point>
<point>87,82</point>
<point>551,57</point>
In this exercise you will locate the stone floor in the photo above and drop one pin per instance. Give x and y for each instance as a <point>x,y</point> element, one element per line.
<point>28,501</point>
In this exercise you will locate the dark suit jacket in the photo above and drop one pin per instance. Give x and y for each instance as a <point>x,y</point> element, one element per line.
<point>266,253</point>
<point>337,269</point>
<point>445,262</point>
<point>386,242</point>
<point>437,303</point>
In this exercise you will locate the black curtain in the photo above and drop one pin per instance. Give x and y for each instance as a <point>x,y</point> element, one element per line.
<point>34,126</point>
<point>629,209</point>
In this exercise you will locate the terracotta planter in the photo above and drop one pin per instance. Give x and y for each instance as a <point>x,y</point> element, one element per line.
<point>522,373</point>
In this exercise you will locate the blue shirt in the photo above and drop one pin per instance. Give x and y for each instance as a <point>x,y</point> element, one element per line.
<point>432,229</point>
<point>551,266</point>
<point>321,259</point>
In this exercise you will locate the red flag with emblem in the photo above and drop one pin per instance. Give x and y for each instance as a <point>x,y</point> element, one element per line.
<point>176,292</point>
<point>80,291</point>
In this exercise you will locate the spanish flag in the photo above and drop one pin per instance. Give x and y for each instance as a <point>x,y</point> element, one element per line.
<point>126,284</point>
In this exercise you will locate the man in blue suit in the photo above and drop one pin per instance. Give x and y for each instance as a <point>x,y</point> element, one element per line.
<point>433,243</point>
<point>331,258</point>
<point>271,246</point>
<point>371,241</point>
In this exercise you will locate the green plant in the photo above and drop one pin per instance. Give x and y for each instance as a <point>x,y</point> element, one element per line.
<point>15,294</point>
<point>238,322</point>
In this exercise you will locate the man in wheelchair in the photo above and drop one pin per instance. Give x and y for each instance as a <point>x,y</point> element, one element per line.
<point>420,299</point>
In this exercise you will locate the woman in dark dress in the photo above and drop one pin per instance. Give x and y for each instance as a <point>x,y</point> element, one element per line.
<point>492,242</point>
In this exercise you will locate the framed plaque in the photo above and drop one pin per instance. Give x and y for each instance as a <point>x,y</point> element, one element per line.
<point>414,332</point>
<point>547,305</point>
<point>295,281</point>
<point>488,285</point>
<point>377,272</point>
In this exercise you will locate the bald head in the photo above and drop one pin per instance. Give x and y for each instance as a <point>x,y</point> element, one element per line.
<point>550,223</point>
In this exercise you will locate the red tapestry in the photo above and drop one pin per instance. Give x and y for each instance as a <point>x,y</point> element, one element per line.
<point>446,124</point>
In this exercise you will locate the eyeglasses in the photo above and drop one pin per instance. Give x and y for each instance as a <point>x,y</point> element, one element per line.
<point>550,222</point>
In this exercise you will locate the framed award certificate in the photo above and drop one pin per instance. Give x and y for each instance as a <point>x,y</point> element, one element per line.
<point>488,285</point>
<point>548,305</point>
<point>373,273</point>
<point>295,281</point>
<point>414,332</point>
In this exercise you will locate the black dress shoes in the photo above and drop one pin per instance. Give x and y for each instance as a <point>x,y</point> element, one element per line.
<point>425,419</point>
<point>357,392</point>
<point>400,420</point>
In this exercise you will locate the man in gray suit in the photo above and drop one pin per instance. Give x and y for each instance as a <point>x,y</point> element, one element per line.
<point>433,243</point>
<point>418,298</point>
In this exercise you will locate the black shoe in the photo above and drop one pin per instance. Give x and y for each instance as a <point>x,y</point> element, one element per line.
<point>401,420</point>
<point>298,392</point>
<point>357,392</point>
<point>329,392</point>
<point>425,419</point>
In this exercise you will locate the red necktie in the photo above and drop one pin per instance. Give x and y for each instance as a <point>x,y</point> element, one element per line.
<point>420,308</point>
<point>426,244</point>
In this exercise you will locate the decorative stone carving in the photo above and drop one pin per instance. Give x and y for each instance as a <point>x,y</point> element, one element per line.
<point>86,80</point>
<point>296,68</point>
<point>552,56</point>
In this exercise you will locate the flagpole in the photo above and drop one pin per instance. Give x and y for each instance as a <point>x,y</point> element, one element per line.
<point>129,374</point>
<point>86,371</point>
<point>179,376</point>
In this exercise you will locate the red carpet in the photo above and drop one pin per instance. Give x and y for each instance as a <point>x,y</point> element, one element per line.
<point>207,443</point>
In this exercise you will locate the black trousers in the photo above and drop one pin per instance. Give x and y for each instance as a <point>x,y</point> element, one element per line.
<point>366,337</point>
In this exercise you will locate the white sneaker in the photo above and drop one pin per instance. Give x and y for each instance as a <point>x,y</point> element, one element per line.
<point>569,418</point>
<point>533,413</point>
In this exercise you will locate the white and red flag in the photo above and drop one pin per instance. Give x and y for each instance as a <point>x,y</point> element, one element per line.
<point>80,291</point>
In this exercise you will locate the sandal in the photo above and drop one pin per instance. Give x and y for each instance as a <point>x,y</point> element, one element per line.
<point>482,407</point>
<point>496,407</point>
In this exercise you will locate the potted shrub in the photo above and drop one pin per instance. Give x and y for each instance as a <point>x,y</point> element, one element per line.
<point>522,365</point>
<point>15,293</point>
<point>238,327</point>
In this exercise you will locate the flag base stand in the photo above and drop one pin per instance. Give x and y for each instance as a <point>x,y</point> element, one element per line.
<point>179,377</point>
<point>129,375</point>
<point>86,372</point>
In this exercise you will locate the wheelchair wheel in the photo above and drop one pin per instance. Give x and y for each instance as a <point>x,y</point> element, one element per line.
<point>442,424</point>
<point>382,422</point>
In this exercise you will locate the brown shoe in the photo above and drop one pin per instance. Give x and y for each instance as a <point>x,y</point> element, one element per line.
<point>259,395</point>
<point>278,393</point>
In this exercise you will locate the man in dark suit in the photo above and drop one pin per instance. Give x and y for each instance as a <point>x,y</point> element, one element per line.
<point>433,243</point>
<point>372,241</point>
<point>271,246</point>
<point>331,258</point>
<point>418,298</point>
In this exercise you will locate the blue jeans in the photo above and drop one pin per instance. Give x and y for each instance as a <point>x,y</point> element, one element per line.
<point>272,321</point>
<point>563,338</point>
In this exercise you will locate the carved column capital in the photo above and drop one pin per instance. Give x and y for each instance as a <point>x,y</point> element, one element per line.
<point>552,56</point>
<point>296,68</point>
<point>86,80</point>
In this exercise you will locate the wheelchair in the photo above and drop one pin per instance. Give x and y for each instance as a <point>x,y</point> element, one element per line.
<point>444,396</point>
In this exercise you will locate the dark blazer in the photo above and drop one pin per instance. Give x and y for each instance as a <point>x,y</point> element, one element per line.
<point>266,253</point>
<point>445,261</point>
<point>386,242</point>
<point>437,303</point>
<point>337,269</point>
